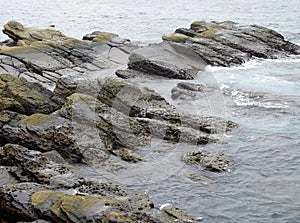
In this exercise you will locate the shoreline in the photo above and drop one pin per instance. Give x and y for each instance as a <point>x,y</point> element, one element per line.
<point>111,123</point>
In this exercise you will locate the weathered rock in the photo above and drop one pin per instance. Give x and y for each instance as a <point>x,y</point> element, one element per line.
<point>91,36</point>
<point>129,73</point>
<point>132,114</point>
<point>16,94</point>
<point>34,202</point>
<point>104,37</point>
<point>167,60</point>
<point>209,160</point>
<point>43,133</point>
<point>228,43</point>
<point>31,201</point>
<point>45,55</point>
<point>34,166</point>
<point>27,35</point>
<point>10,118</point>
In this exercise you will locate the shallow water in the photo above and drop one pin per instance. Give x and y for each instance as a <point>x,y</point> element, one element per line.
<point>263,96</point>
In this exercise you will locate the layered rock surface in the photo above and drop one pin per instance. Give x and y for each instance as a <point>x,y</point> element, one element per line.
<point>229,44</point>
<point>91,120</point>
<point>45,55</point>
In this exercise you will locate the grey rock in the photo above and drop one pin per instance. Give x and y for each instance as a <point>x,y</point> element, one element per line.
<point>167,60</point>
<point>229,44</point>
<point>6,176</point>
<point>209,160</point>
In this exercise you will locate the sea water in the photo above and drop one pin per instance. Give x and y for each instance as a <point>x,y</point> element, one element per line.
<point>262,96</point>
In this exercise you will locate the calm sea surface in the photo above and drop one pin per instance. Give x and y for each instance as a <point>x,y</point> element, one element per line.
<point>263,96</point>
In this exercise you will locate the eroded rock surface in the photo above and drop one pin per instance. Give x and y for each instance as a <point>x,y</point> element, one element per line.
<point>209,160</point>
<point>95,121</point>
<point>45,55</point>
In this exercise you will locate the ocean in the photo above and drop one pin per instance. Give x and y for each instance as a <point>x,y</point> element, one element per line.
<point>262,96</point>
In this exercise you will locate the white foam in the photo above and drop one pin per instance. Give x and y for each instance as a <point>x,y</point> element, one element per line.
<point>254,63</point>
<point>164,205</point>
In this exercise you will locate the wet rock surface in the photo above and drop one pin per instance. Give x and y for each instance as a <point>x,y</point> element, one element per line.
<point>65,117</point>
<point>209,160</point>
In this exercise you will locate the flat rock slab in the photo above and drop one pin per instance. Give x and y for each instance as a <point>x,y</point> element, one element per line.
<point>167,60</point>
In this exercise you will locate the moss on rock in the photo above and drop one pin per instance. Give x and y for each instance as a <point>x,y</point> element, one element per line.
<point>35,119</point>
<point>104,37</point>
<point>175,37</point>
<point>212,32</point>
<point>16,94</point>
<point>73,208</point>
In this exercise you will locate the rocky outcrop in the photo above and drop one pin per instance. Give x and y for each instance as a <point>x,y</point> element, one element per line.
<point>102,127</point>
<point>46,190</point>
<point>45,55</point>
<point>79,123</point>
<point>229,44</point>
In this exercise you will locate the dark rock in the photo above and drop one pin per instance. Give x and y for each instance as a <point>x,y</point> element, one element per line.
<point>129,73</point>
<point>31,165</point>
<point>10,118</point>
<point>167,60</point>
<point>91,36</point>
<point>228,43</point>
<point>125,102</point>
<point>209,160</point>
<point>15,202</point>
<point>43,133</point>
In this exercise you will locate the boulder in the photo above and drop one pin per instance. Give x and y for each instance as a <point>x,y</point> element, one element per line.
<point>27,35</point>
<point>229,44</point>
<point>44,133</point>
<point>167,60</point>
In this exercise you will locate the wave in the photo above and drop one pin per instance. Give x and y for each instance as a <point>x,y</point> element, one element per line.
<point>254,99</point>
<point>256,62</point>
